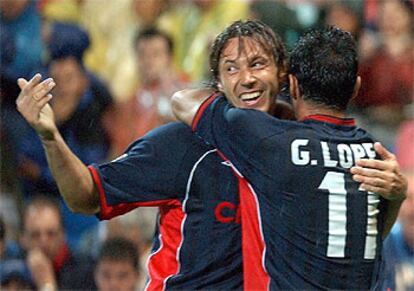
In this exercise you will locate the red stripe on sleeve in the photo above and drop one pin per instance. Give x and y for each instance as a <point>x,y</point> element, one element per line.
<point>110,211</point>
<point>201,109</point>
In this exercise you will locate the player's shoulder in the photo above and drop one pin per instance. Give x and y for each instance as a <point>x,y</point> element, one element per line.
<point>170,130</point>
<point>174,136</point>
<point>259,124</point>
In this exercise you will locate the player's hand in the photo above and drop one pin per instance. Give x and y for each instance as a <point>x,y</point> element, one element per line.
<point>381,176</point>
<point>32,103</point>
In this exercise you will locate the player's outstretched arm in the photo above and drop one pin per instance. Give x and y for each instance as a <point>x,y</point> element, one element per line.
<point>72,176</point>
<point>185,103</point>
<point>383,177</point>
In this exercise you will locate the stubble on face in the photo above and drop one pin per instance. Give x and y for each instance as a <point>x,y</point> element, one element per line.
<point>248,75</point>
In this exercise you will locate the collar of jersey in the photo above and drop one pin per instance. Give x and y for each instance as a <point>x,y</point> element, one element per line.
<point>331,119</point>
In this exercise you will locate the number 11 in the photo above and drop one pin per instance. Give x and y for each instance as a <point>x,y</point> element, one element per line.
<point>334,182</point>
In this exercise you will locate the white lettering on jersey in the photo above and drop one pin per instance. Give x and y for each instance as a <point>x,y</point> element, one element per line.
<point>300,157</point>
<point>346,155</point>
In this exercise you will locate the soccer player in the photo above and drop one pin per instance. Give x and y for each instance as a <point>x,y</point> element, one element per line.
<point>197,244</point>
<point>198,240</point>
<point>306,224</point>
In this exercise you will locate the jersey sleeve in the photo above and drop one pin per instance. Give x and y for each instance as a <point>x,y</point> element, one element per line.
<point>145,175</point>
<point>235,132</point>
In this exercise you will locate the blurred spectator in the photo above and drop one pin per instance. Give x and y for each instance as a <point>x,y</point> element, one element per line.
<point>21,19</point>
<point>405,145</point>
<point>138,226</point>
<point>346,15</point>
<point>112,28</point>
<point>387,70</point>
<point>60,10</point>
<point>9,249</point>
<point>12,126</point>
<point>150,106</point>
<point>15,276</point>
<point>9,227</point>
<point>50,261</point>
<point>399,245</point>
<point>117,265</point>
<point>280,17</point>
<point>193,25</point>
<point>80,100</point>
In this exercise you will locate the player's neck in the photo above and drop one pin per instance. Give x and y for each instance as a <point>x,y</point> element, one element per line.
<point>311,109</point>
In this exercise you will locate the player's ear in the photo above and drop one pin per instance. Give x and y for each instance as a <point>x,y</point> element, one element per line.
<point>282,76</point>
<point>219,86</point>
<point>357,86</point>
<point>293,87</point>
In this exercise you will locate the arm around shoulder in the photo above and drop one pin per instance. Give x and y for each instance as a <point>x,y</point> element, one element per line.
<point>185,103</point>
<point>383,177</point>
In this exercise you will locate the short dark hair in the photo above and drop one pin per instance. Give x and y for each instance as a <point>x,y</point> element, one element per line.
<point>151,32</point>
<point>119,249</point>
<point>325,63</point>
<point>255,29</point>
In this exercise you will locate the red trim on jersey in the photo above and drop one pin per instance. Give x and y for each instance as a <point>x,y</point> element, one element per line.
<point>164,263</point>
<point>110,211</point>
<point>331,119</point>
<point>201,109</point>
<point>255,275</point>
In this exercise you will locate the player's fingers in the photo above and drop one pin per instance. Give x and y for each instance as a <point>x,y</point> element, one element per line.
<point>383,152</point>
<point>42,89</point>
<point>374,189</point>
<point>374,164</point>
<point>21,82</point>
<point>33,82</point>
<point>369,172</point>
<point>373,181</point>
<point>44,100</point>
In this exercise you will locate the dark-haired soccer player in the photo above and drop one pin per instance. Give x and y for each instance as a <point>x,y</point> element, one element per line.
<point>198,240</point>
<point>306,224</point>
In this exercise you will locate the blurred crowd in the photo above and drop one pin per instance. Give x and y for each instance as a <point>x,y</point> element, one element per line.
<point>116,64</point>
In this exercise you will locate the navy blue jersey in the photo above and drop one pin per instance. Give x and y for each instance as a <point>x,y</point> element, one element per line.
<point>197,244</point>
<point>306,224</point>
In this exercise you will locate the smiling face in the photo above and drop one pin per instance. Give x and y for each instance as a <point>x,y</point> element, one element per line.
<point>248,75</point>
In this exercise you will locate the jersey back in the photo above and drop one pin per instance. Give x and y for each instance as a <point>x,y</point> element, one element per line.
<point>311,224</point>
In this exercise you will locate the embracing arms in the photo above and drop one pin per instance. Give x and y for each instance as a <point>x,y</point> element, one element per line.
<point>380,176</point>
<point>384,178</point>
